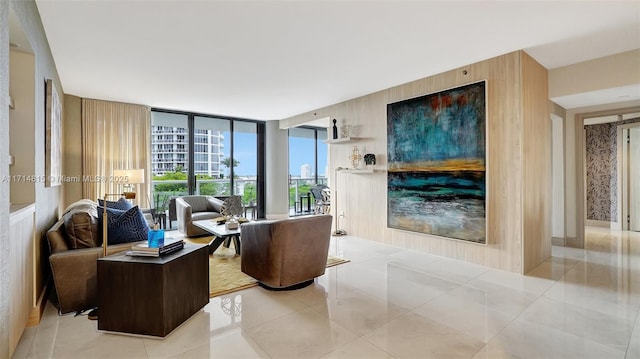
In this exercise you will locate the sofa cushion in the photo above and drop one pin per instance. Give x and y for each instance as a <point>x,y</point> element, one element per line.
<point>198,216</point>
<point>121,204</point>
<point>125,226</point>
<point>216,204</point>
<point>81,225</point>
<point>82,229</point>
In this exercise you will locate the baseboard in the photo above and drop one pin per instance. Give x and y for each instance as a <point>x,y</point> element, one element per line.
<point>35,316</point>
<point>602,224</point>
<point>573,242</point>
<point>558,241</point>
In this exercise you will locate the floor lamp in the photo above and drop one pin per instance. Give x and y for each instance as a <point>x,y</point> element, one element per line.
<point>338,231</point>
<point>131,177</point>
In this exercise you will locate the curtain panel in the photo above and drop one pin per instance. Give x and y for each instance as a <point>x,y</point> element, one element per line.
<point>115,136</point>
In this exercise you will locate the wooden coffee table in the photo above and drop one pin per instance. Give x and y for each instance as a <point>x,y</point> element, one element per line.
<point>152,296</point>
<point>221,234</point>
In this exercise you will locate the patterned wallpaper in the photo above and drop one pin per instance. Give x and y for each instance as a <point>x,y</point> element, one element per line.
<point>601,170</point>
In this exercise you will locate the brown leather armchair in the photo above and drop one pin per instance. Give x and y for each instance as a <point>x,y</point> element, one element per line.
<point>286,254</point>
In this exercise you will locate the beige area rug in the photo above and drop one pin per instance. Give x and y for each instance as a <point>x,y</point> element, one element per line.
<point>225,275</point>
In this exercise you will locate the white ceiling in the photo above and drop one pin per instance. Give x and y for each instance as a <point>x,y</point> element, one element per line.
<point>272,60</point>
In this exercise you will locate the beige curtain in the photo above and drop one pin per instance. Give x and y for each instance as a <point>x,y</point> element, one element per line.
<point>114,136</point>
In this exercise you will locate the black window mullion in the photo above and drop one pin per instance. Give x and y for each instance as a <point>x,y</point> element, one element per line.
<point>191,179</point>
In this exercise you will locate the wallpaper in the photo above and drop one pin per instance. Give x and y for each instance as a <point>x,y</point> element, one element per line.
<point>601,169</point>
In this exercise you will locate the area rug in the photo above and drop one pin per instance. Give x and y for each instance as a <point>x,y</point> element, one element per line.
<point>225,275</point>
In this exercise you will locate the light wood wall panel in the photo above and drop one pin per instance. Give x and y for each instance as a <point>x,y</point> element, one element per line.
<point>363,197</point>
<point>536,163</point>
<point>21,271</point>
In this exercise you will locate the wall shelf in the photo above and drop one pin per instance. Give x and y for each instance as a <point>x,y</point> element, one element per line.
<point>359,171</point>
<point>342,140</point>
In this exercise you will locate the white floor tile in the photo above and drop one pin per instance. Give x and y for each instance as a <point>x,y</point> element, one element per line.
<point>414,336</point>
<point>390,302</point>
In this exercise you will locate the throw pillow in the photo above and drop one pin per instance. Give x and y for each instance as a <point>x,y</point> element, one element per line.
<point>121,204</point>
<point>82,230</point>
<point>125,226</point>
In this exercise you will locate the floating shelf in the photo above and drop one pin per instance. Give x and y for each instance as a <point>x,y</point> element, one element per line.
<point>343,140</point>
<point>359,171</point>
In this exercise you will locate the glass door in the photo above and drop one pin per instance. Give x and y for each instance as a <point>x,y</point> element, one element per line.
<point>307,166</point>
<point>211,156</point>
<point>169,155</point>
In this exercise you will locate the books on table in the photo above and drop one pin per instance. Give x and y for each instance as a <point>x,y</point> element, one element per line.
<point>143,249</point>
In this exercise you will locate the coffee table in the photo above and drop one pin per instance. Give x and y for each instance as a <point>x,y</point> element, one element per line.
<point>221,234</point>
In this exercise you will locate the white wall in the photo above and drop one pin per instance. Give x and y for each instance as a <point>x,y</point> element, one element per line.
<point>4,186</point>
<point>277,171</point>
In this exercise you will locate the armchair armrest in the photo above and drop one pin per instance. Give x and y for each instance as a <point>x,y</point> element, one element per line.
<point>183,214</point>
<point>75,278</point>
<point>75,275</point>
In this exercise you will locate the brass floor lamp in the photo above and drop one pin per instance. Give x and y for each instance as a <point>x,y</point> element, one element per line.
<point>338,231</point>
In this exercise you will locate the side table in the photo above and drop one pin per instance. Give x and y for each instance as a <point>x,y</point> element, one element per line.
<point>152,296</point>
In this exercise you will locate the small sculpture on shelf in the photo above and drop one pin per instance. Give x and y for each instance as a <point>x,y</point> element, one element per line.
<point>370,159</point>
<point>355,157</point>
<point>335,129</point>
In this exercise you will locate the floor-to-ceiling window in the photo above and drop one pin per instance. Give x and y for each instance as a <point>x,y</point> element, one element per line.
<point>307,166</point>
<point>208,155</point>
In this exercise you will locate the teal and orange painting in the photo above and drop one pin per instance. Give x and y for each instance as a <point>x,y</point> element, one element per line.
<point>436,178</point>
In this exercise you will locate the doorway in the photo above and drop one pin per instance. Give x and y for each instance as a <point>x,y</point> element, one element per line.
<point>631,177</point>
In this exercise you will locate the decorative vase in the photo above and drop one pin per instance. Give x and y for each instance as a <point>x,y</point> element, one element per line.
<point>155,238</point>
<point>345,131</point>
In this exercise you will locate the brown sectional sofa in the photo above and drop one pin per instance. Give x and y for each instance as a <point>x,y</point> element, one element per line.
<point>74,245</point>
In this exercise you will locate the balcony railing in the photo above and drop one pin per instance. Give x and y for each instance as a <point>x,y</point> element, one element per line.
<point>298,187</point>
<point>300,198</point>
<point>212,187</point>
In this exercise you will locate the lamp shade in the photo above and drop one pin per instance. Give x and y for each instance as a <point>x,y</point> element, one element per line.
<point>129,176</point>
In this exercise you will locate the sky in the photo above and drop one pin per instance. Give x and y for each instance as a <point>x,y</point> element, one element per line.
<point>300,153</point>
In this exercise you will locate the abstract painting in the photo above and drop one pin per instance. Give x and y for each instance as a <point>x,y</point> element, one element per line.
<point>437,163</point>
<point>53,136</point>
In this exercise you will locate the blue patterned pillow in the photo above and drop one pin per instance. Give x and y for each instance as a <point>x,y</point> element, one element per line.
<point>121,204</point>
<point>125,226</point>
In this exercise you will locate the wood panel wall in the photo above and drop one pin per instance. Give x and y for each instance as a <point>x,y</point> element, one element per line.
<point>511,215</point>
<point>536,163</point>
<point>21,271</point>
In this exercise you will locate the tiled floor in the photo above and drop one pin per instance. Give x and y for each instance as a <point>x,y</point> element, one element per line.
<point>395,303</point>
